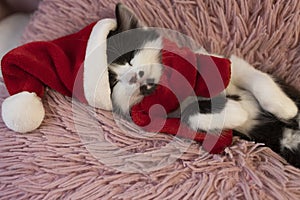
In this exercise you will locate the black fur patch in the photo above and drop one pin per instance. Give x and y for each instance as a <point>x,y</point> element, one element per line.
<point>269,132</point>
<point>211,106</point>
<point>122,46</point>
<point>144,91</point>
<point>234,97</point>
<point>292,157</point>
<point>112,78</point>
<point>128,38</point>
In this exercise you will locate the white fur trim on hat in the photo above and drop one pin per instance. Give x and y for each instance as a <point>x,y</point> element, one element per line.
<point>23,112</point>
<point>95,76</point>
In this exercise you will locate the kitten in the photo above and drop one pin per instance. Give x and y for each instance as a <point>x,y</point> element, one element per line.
<point>253,105</point>
<point>133,57</point>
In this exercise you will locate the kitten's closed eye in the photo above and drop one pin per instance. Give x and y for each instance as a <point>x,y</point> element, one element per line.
<point>114,57</point>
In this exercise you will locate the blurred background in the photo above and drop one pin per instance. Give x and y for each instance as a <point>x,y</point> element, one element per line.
<point>14,16</point>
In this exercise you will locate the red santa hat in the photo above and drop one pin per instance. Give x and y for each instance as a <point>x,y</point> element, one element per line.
<point>74,65</point>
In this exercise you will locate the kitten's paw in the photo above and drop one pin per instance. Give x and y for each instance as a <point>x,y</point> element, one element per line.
<point>235,115</point>
<point>283,109</point>
<point>202,122</point>
<point>278,104</point>
<point>232,116</point>
<point>272,99</point>
<point>290,146</point>
<point>262,86</point>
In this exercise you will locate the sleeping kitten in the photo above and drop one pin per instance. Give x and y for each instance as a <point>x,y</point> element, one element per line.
<point>133,57</point>
<point>253,105</point>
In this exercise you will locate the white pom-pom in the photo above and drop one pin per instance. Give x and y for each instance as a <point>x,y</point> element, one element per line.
<point>23,112</point>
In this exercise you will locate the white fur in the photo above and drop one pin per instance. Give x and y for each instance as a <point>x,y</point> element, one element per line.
<point>232,116</point>
<point>149,53</point>
<point>203,51</point>
<point>249,104</point>
<point>23,112</point>
<point>126,94</point>
<point>291,139</point>
<point>263,88</point>
<point>255,89</point>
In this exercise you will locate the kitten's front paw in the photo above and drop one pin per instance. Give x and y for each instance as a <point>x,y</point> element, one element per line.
<point>285,109</point>
<point>232,116</point>
<point>235,115</point>
<point>272,99</point>
<point>278,104</point>
<point>290,146</point>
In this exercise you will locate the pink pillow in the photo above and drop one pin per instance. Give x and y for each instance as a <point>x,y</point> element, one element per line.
<point>23,6</point>
<point>240,27</point>
<point>58,18</point>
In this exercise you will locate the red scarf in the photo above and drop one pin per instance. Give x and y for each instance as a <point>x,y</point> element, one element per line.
<point>185,74</point>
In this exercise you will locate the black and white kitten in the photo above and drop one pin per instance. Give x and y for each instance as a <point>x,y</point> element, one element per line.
<point>253,105</point>
<point>133,53</point>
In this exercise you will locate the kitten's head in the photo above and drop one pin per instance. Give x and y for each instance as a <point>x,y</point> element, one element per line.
<point>134,57</point>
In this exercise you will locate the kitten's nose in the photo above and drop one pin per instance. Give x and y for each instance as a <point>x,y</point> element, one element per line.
<point>141,73</point>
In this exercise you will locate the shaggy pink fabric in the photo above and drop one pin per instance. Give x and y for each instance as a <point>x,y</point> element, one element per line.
<point>83,153</point>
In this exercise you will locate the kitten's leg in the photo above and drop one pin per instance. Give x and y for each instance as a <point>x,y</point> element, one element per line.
<point>290,146</point>
<point>266,91</point>
<point>232,115</point>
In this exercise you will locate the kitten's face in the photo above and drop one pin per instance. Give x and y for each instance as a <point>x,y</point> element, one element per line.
<point>134,55</point>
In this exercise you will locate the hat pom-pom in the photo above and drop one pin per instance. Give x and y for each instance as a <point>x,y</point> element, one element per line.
<point>23,112</point>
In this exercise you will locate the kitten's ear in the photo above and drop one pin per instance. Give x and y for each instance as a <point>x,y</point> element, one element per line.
<point>126,19</point>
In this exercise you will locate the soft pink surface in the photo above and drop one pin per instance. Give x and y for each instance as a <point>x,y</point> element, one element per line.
<point>82,153</point>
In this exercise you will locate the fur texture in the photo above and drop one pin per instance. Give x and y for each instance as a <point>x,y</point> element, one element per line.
<point>263,32</point>
<point>134,54</point>
<point>134,57</point>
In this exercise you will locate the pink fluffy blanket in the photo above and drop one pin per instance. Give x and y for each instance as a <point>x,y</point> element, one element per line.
<point>84,153</point>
